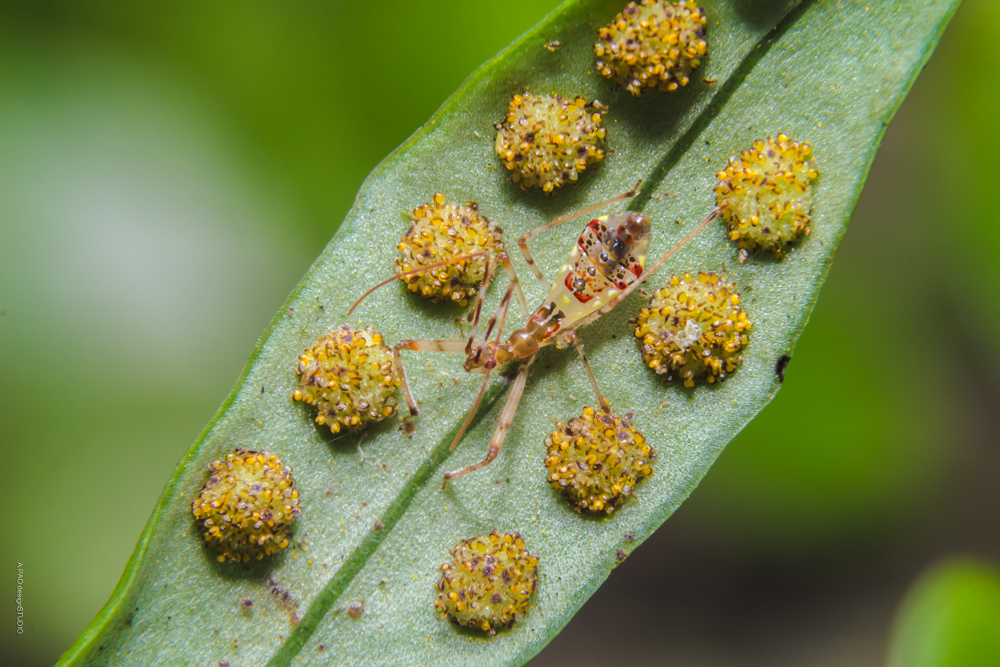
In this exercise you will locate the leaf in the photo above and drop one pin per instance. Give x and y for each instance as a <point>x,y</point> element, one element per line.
<point>949,618</point>
<point>829,73</point>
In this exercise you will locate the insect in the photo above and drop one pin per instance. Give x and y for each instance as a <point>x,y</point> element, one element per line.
<point>606,264</point>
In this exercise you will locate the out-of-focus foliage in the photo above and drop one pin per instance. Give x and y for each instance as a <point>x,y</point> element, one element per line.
<point>904,343</point>
<point>950,618</point>
<point>962,127</point>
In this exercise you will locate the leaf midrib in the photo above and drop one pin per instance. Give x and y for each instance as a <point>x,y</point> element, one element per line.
<point>356,562</point>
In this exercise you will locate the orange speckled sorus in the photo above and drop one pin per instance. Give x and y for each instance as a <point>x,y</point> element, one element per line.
<point>547,141</point>
<point>596,460</point>
<point>247,506</point>
<point>442,230</point>
<point>694,328</point>
<point>488,583</point>
<point>347,376</point>
<point>765,194</point>
<point>652,44</point>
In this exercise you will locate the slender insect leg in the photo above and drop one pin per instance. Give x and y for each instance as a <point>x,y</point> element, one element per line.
<point>512,274</point>
<point>522,242</point>
<point>586,364</point>
<point>472,410</point>
<point>501,313</point>
<point>490,365</point>
<point>667,255</point>
<point>447,346</point>
<point>506,417</point>
<point>477,306</point>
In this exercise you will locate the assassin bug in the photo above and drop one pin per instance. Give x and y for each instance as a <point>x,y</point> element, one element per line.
<point>605,266</point>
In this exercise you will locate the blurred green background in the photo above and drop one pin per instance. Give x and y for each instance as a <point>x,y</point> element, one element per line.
<point>169,170</point>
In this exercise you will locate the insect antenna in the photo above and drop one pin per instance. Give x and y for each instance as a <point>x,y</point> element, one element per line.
<point>680,244</point>
<point>414,272</point>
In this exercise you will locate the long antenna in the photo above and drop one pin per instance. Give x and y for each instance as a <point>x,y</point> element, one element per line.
<point>414,272</point>
<point>680,244</point>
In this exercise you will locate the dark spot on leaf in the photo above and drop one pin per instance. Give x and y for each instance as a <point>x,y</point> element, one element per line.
<point>779,368</point>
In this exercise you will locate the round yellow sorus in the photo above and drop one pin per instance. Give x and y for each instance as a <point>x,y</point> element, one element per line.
<point>596,460</point>
<point>765,195</point>
<point>348,377</point>
<point>488,583</point>
<point>441,231</point>
<point>247,506</point>
<point>653,44</point>
<point>546,141</point>
<point>694,327</point>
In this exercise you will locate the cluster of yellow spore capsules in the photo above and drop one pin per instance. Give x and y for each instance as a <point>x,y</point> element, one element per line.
<point>247,506</point>
<point>488,583</point>
<point>765,194</point>
<point>596,460</point>
<point>692,328</point>
<point>653,44</point>
<point>547,141</point>
<point>442,231</point>
<point>347,376</point>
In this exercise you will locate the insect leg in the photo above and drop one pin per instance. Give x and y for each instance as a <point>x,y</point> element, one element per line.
<point>501,313</point>
<point>512,274</point>
<point>522,242</point>
<point>447,346</point>
<point>490,365</point>
<point>477,306</point>
<point>586,364</point>
<point>506,417</point>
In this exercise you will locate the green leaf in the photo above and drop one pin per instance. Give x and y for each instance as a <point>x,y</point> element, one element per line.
<point>950,618</point>
<point>829,73</point>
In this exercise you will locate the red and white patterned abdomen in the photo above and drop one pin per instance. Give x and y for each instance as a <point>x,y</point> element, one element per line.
<point>608,257</point>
